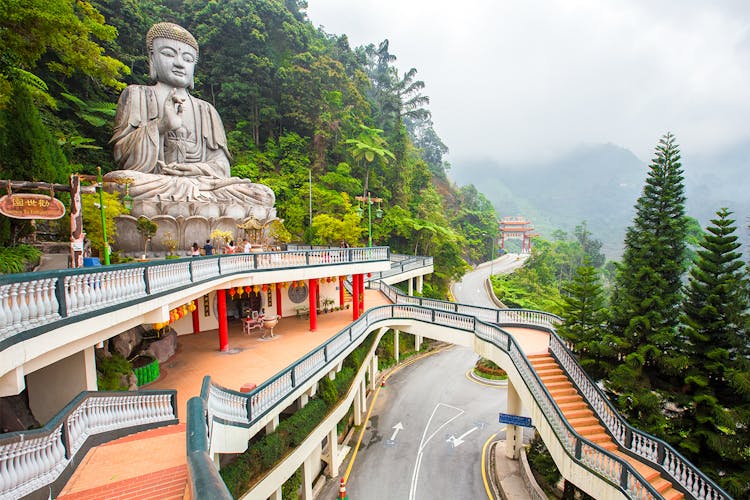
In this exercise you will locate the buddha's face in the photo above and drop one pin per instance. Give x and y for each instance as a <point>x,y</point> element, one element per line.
<point>173,62</point>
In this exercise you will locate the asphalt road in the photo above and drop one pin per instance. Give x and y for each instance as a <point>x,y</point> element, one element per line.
<point>425,436</point>
<point>470,290</point>
<point>428,426</point>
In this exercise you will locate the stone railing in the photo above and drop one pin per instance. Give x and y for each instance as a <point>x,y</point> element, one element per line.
<point>33,303</point>
<point>36,459</point>
<point>401,264</point>
<point>653,450</point>
<point>232,407</point>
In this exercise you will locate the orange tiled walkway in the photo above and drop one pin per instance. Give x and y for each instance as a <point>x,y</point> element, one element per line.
<point>152,464</point>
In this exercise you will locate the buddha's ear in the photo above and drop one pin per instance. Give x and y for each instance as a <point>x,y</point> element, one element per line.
<point>151,67</point>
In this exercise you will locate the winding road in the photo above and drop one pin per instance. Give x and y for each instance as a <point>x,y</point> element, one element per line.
<point>428,426</point>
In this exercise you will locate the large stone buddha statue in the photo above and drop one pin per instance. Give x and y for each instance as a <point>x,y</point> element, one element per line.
<point>172,148</point>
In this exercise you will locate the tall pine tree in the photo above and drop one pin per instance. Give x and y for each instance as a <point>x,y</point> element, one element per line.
<point>583,314</point>
<point>716,395</point>
<point>647,295</point>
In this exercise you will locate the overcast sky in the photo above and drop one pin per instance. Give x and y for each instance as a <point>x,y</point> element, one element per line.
<point>520,80</point>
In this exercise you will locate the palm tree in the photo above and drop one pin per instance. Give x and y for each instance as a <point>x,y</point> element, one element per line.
<point>369,145</point>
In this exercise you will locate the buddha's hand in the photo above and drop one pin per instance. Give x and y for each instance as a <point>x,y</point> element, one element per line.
<point>183,169</point>
<point>171,117</point>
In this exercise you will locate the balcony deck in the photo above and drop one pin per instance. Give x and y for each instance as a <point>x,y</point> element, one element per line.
<point>141,466</point>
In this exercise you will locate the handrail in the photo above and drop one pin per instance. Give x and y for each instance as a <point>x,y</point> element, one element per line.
<point>243,410</point>
<point>34,459</point>
<point>402,265</point>
<point>35,303</point>
<point>641,444</point>
<point>689,478</point>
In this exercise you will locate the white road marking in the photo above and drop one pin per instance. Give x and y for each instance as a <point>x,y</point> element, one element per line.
<point>423,443</point>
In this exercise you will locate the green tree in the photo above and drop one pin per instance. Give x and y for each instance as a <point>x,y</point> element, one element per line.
<point>646,299</point>
<point>92,218</point>
<point>584,314</point>
<point>716,401</point>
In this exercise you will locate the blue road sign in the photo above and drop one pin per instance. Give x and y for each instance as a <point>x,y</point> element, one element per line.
<point>515,420</point>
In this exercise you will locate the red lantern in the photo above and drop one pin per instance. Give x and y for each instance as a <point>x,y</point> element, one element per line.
<point>369,275</point>
<point>294,284</point>
<point>328,279</point>
<point>247,288</point>
<point>232,291</point>
<point>264,287</point>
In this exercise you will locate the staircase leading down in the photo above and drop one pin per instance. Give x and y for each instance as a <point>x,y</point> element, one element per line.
<point>582,419</point>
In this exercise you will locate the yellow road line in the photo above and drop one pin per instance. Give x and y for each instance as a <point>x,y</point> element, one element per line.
<point>484,467</point>
<point>372,405</point>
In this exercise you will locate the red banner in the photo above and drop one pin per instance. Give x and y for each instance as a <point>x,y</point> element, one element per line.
<point>31,206</point>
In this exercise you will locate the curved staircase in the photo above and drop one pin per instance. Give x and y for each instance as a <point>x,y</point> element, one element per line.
<point>582,419</point>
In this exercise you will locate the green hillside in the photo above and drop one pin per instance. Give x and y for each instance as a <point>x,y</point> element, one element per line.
<point>296,102</point>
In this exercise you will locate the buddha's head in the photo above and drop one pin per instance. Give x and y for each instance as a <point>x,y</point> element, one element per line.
<point>172,52</point>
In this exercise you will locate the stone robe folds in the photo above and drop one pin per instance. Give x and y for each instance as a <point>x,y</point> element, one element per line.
<point>141,151</point>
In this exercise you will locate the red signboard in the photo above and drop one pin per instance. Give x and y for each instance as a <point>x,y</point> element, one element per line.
<point>31,206</point>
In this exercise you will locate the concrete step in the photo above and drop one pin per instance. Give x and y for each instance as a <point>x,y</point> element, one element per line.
<point>547,379</point>
<point>564,391</point>
<point>567,398</point>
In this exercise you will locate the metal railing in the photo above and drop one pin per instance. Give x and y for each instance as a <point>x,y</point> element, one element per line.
<point>689,478</point>
<point>239,409</point>
<point>32,460</point>
<point>34,303</point>
<point>651,449</point>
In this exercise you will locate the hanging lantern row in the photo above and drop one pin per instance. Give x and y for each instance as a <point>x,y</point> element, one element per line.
<point>175,314</point>
<point>240,290</point>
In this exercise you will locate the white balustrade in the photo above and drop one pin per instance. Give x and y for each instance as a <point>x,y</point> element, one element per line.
<point>227,406</point>
<point>308,366</point>
<point>38,459</point>
<point>335,346</point>
<point>166,276</point>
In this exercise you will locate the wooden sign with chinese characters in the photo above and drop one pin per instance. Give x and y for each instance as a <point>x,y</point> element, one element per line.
<point>31,206</point>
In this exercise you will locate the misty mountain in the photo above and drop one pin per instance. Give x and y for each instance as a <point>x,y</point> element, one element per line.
<point>600,184</point>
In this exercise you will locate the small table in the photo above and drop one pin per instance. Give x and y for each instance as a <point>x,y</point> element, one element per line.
<point>250,324</point>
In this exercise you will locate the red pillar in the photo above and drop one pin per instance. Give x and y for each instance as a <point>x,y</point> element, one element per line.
<point>362,291</point>
<point>355,296</point>
<point>196,318</point>
<point>221,297</point>
<point>313,285</point>
<point>278,299</point>
<point>341,291</point>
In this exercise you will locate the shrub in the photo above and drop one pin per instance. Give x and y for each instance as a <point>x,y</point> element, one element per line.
<point>18,259</point>
<point>112,372</point>
<point>328,392</point>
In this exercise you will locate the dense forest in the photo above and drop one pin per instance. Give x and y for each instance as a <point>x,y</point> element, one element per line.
<point>298,103</point>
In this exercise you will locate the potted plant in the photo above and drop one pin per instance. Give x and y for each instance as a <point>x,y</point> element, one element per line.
<point>147,229</point>
<point>170,242</point>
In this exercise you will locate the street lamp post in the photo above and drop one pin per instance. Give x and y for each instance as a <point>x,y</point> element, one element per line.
<point>378,213</point>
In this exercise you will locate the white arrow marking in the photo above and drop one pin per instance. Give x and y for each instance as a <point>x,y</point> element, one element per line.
<point>457,441</point>
<point>398,427</point>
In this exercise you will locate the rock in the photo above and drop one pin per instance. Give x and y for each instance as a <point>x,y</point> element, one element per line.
<point>132,382</point>
<point>164,348</point>
<point>128,340</point>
